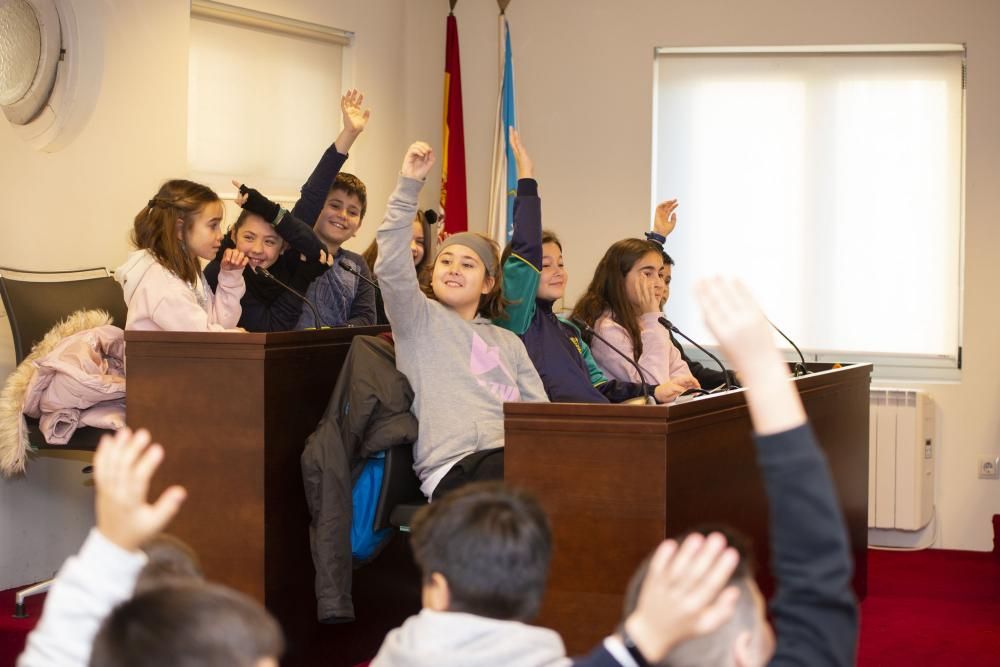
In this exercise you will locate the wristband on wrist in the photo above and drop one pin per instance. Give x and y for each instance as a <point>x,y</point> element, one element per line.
<point>633,650</point>
<point>656,238</point>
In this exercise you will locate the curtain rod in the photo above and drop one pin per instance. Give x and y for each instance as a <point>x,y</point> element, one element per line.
<point>209,9</point>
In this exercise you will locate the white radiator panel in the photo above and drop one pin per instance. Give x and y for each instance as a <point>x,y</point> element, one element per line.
<point>901,459</point>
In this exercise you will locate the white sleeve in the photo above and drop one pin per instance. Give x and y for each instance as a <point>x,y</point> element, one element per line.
<point>88,586</point>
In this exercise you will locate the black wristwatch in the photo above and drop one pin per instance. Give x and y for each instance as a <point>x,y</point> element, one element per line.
<point>633,650</point>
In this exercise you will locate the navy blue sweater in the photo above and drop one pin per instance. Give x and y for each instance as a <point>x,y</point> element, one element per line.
<point>561,357</point>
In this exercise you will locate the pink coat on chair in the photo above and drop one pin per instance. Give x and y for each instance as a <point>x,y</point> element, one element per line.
<point>84,370</point>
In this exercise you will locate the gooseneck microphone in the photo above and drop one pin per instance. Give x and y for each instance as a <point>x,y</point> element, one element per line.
<point>800,368</point>
<point>670,327</point>
<point>642,377</point>
<point>351,269</point>
<point>261,271</point>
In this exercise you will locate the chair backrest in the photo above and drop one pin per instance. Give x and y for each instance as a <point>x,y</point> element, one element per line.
<point>35,300</point>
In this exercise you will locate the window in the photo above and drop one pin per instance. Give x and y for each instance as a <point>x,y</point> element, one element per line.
<point>263,97</point>
<point>830,180</point>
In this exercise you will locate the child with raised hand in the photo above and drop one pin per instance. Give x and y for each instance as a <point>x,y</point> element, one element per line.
<point>334,203</point>
<point>103,574</point>
<point>162,281</point>
<point>286,246</point>
<point>622,304</point>
<point>462,367</point>
<point>90,615</point>
<point>534,278</point>
<point>814,609</point>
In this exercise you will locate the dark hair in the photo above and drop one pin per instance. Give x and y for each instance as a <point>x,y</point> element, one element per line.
<point>493,546</point>
<point>170,561</point>
<point>607,292</point>
<point>188,625</point>
<point>426,262</point>
<point>352,185</point>
<point>667,259</point>
<point>715,648</point>
<point>493,304</point>
<point>549,236</point>
<point>155,226</point>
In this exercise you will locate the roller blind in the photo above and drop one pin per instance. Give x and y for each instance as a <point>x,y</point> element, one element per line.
<point>829,180</point>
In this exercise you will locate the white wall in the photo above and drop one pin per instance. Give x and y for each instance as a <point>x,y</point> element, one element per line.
<point>584,73</point>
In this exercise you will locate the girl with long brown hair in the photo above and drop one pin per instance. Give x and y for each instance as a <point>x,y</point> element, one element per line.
<point>622,304</point>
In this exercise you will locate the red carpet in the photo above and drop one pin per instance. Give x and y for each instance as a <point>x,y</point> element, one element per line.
<point>932,607</point>
<point>924,608</point>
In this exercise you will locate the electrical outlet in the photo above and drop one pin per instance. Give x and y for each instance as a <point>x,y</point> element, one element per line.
<point>989,468</point>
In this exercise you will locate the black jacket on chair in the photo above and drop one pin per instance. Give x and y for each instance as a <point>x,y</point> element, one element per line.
<point>369,411</point>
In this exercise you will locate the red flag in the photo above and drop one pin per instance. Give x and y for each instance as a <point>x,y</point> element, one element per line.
<point>453,192</point>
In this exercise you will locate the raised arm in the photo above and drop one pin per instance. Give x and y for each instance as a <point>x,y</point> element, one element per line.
<point>522,269</point>
<point>298,234</point>
<point>814,609</point>
<point>405,305</point>
<point>317,186</point>
<point>103,574</point>
<point>664,222</point>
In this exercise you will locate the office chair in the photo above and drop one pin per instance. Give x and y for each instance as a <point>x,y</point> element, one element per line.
<point>34,302</point>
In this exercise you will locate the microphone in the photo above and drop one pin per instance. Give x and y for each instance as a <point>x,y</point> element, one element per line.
<point>645,385</point>
<point>670,327</point>
<point>800,368</point>
<point>261,271</point>
<point>351,269</point>
<point>431,216</point>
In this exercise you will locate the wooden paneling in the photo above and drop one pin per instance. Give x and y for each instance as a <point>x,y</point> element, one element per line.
<point>615,480</point>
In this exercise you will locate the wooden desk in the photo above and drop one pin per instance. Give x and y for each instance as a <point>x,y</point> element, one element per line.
<point>615,480</point>
<point>233,412</point>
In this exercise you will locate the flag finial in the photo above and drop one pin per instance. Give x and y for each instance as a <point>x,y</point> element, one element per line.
<point>452,3</point>
<point>502,4</point>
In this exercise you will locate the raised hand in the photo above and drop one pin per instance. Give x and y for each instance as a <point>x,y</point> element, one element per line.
<point>233,260</point>
<point>253,201</point>
<point>355,119</point>
<point>525,167</point>
<point>666,217</point>
<point>745,336</point>
<point>418,160</point>
<point>684,594</point>
<point>123,465</point>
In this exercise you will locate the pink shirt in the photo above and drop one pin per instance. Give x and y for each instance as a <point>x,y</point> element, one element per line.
<point>660,360</point>
<point>160,301</point>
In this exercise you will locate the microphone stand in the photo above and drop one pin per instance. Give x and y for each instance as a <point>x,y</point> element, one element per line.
<point>800,368</point>
<point>670,327</point>
<point>642,377</point>
<point>351,269</point>
<point>260,270</point>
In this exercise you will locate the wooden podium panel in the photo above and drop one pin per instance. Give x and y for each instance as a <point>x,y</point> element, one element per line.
<point>233,412</point>
<point>617,479</point>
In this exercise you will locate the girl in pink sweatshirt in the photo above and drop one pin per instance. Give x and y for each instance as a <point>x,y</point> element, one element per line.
<point>163,284</point>
<point>622,304</point>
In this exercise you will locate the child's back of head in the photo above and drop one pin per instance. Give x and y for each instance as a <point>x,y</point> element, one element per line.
<point>491,544</point>
<point>188,625</point>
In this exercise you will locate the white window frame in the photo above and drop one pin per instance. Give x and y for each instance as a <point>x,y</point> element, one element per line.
<point>887,365</point>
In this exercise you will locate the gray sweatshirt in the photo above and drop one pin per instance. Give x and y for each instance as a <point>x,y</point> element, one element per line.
<point>462,372</point>
<point>449,638</point>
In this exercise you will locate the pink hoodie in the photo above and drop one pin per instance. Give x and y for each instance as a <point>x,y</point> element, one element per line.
<point>660,360</point>
<point>158,300</point>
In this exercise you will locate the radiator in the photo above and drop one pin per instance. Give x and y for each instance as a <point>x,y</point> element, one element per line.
<point>900,459</point>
